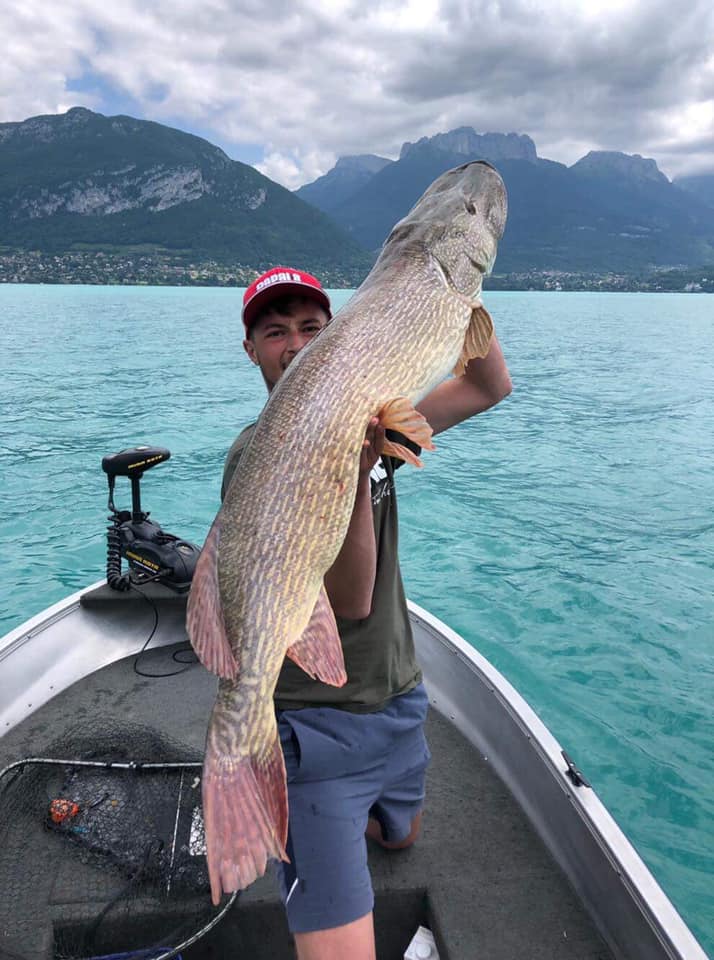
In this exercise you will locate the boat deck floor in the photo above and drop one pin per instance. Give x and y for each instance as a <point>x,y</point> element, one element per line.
<point>478,876</point>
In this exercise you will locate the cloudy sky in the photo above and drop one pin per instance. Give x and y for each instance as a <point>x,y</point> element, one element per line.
<point>290,86</point>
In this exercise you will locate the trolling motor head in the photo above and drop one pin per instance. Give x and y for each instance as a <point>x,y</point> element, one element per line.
<point>151,553</point>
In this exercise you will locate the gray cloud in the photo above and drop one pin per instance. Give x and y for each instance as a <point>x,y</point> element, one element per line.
<point>620,84</point>
<point>318,78</point>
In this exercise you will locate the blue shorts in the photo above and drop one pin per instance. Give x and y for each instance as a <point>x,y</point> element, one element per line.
<point>343,768</point>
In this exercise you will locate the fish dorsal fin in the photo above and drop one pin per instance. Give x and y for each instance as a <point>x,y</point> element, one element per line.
<point>401,415</point>
<point>204,614</point>
<point>478,337</point>
<point>319,650</point>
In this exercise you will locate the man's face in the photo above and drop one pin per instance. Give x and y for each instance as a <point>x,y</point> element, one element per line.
<point>276,339</point>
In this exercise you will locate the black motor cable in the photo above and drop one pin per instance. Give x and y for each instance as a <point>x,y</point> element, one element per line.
<point>175,658</point>
<point>115,578</point>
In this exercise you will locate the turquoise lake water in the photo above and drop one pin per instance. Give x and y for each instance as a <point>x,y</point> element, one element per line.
<point>568,533</point>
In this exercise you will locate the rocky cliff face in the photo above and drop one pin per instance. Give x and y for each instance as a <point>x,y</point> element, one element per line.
<point>466,142</point>
<point>106,192</point>
<point>622,165</point>
<point>83,142</point>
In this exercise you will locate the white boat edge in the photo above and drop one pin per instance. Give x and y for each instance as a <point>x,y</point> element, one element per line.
<point>37,662</point>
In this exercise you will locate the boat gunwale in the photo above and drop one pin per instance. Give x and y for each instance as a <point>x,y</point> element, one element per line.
<point>10,641</point>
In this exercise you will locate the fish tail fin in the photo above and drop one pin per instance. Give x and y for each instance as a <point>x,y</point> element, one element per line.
<point>204,614</point>
<point>401,415</point>
<point>245,812</point>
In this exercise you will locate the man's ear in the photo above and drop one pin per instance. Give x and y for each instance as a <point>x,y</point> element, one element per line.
<point>250,350</point>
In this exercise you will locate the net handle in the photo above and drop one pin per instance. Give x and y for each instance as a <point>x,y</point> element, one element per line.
<point>103,764</point>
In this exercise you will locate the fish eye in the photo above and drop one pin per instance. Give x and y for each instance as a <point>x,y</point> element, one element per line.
<point>470,206</point>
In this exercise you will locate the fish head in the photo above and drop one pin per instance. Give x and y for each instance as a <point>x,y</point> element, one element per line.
<point>459,220</point>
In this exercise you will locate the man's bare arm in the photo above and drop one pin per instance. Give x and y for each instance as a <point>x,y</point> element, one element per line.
<point>350,580</point>
<point>484,384</point>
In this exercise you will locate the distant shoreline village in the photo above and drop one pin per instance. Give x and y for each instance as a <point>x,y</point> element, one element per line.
<point>145,269</point>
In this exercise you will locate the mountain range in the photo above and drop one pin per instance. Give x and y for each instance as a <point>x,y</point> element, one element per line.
<point>608,212</point>
<point>80,181</point>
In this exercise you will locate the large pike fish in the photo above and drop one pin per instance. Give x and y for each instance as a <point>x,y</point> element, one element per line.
<point>258,591</point>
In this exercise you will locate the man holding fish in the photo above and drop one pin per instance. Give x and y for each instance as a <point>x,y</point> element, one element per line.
<point>348,695</point>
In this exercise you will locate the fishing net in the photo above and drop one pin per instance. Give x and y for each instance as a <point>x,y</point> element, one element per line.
<point>102,849</point>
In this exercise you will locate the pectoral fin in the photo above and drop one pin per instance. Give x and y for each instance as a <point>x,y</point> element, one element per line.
<point>400,415</point>
<point>319,650</point>
<point>393,449</point>
<point>478,338</point>
<point>204,614</point>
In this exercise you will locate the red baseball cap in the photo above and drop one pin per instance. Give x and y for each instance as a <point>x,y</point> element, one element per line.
<point>280,282</point>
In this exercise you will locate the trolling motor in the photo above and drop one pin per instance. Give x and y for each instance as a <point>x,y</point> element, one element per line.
<point>151,553</point>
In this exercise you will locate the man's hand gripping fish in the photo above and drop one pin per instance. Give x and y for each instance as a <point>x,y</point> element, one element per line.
<point>258,591</point>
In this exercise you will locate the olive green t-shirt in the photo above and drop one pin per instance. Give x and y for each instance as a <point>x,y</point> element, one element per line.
<point>379,651</point>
